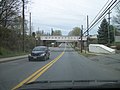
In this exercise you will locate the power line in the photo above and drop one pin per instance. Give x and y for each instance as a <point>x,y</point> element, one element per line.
<point>100,11</point>
<point>98,22</point>
<point>115,5</point>
<point>102,14</point>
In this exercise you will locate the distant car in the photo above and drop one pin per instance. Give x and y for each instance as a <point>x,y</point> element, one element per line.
<point>39,53</point>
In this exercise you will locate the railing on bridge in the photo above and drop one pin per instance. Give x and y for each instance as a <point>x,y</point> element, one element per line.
<point>65,38</point>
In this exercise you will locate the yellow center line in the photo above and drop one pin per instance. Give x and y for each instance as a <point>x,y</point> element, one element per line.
<point>38,73</point>
<point>44,70</point>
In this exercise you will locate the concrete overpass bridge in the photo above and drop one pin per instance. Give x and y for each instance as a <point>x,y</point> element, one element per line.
<point>63,38</point>
<point>48,40</point>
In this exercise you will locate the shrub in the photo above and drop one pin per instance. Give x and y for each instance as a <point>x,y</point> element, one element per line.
<point>118,47</point>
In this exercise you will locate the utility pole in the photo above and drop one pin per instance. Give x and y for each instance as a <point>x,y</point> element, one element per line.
<point>87,33</point>
<point>23,15</point>
<point>52,31</point>
<point>30,24</point>
<point>109,27</point>
<point>81,38</point>
<point>38,28</point>
<point>114,34</point>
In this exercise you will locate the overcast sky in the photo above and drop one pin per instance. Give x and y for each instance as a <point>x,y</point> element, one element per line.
<point>63,14</point>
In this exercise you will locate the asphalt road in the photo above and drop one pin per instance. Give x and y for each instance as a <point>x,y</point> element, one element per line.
<point>67,66</point>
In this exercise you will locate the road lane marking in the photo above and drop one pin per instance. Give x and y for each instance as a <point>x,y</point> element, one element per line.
<point>44,70</point>
<point>35,75</point>
<point>31,76</point>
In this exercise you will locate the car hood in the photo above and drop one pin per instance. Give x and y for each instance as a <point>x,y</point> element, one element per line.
<point>71,84</point>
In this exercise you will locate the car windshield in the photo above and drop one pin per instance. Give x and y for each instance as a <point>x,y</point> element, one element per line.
<point>39,49</point>
<point>59,43</point>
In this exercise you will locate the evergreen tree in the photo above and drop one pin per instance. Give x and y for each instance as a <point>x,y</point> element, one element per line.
<point>103,32</point>
<point>112,33</point>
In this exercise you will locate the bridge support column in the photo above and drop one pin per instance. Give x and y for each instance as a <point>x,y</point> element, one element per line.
<point>41,42</point>
<point>57,43</point>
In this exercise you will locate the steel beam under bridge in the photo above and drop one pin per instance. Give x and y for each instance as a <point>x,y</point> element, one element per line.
<point>63,38</point>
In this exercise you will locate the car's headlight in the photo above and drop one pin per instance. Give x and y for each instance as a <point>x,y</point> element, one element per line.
<point>29,55</point>
<point>43,54</point>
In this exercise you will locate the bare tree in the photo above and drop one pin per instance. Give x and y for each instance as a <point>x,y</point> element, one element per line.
<point>9,10</point>
<point>75,32</point>
<point>116,18</point>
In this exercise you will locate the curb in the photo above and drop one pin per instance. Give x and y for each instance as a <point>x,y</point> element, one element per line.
<point>2,60</point>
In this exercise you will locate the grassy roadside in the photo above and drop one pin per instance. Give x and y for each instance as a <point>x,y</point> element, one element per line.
<point>4,53</point>
<point>86,54</point>
<point>13,54</point>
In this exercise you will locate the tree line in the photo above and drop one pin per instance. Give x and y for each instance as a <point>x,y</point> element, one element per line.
<point>103,33</point>
<point>11,34</point>
<point>103,36</point>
